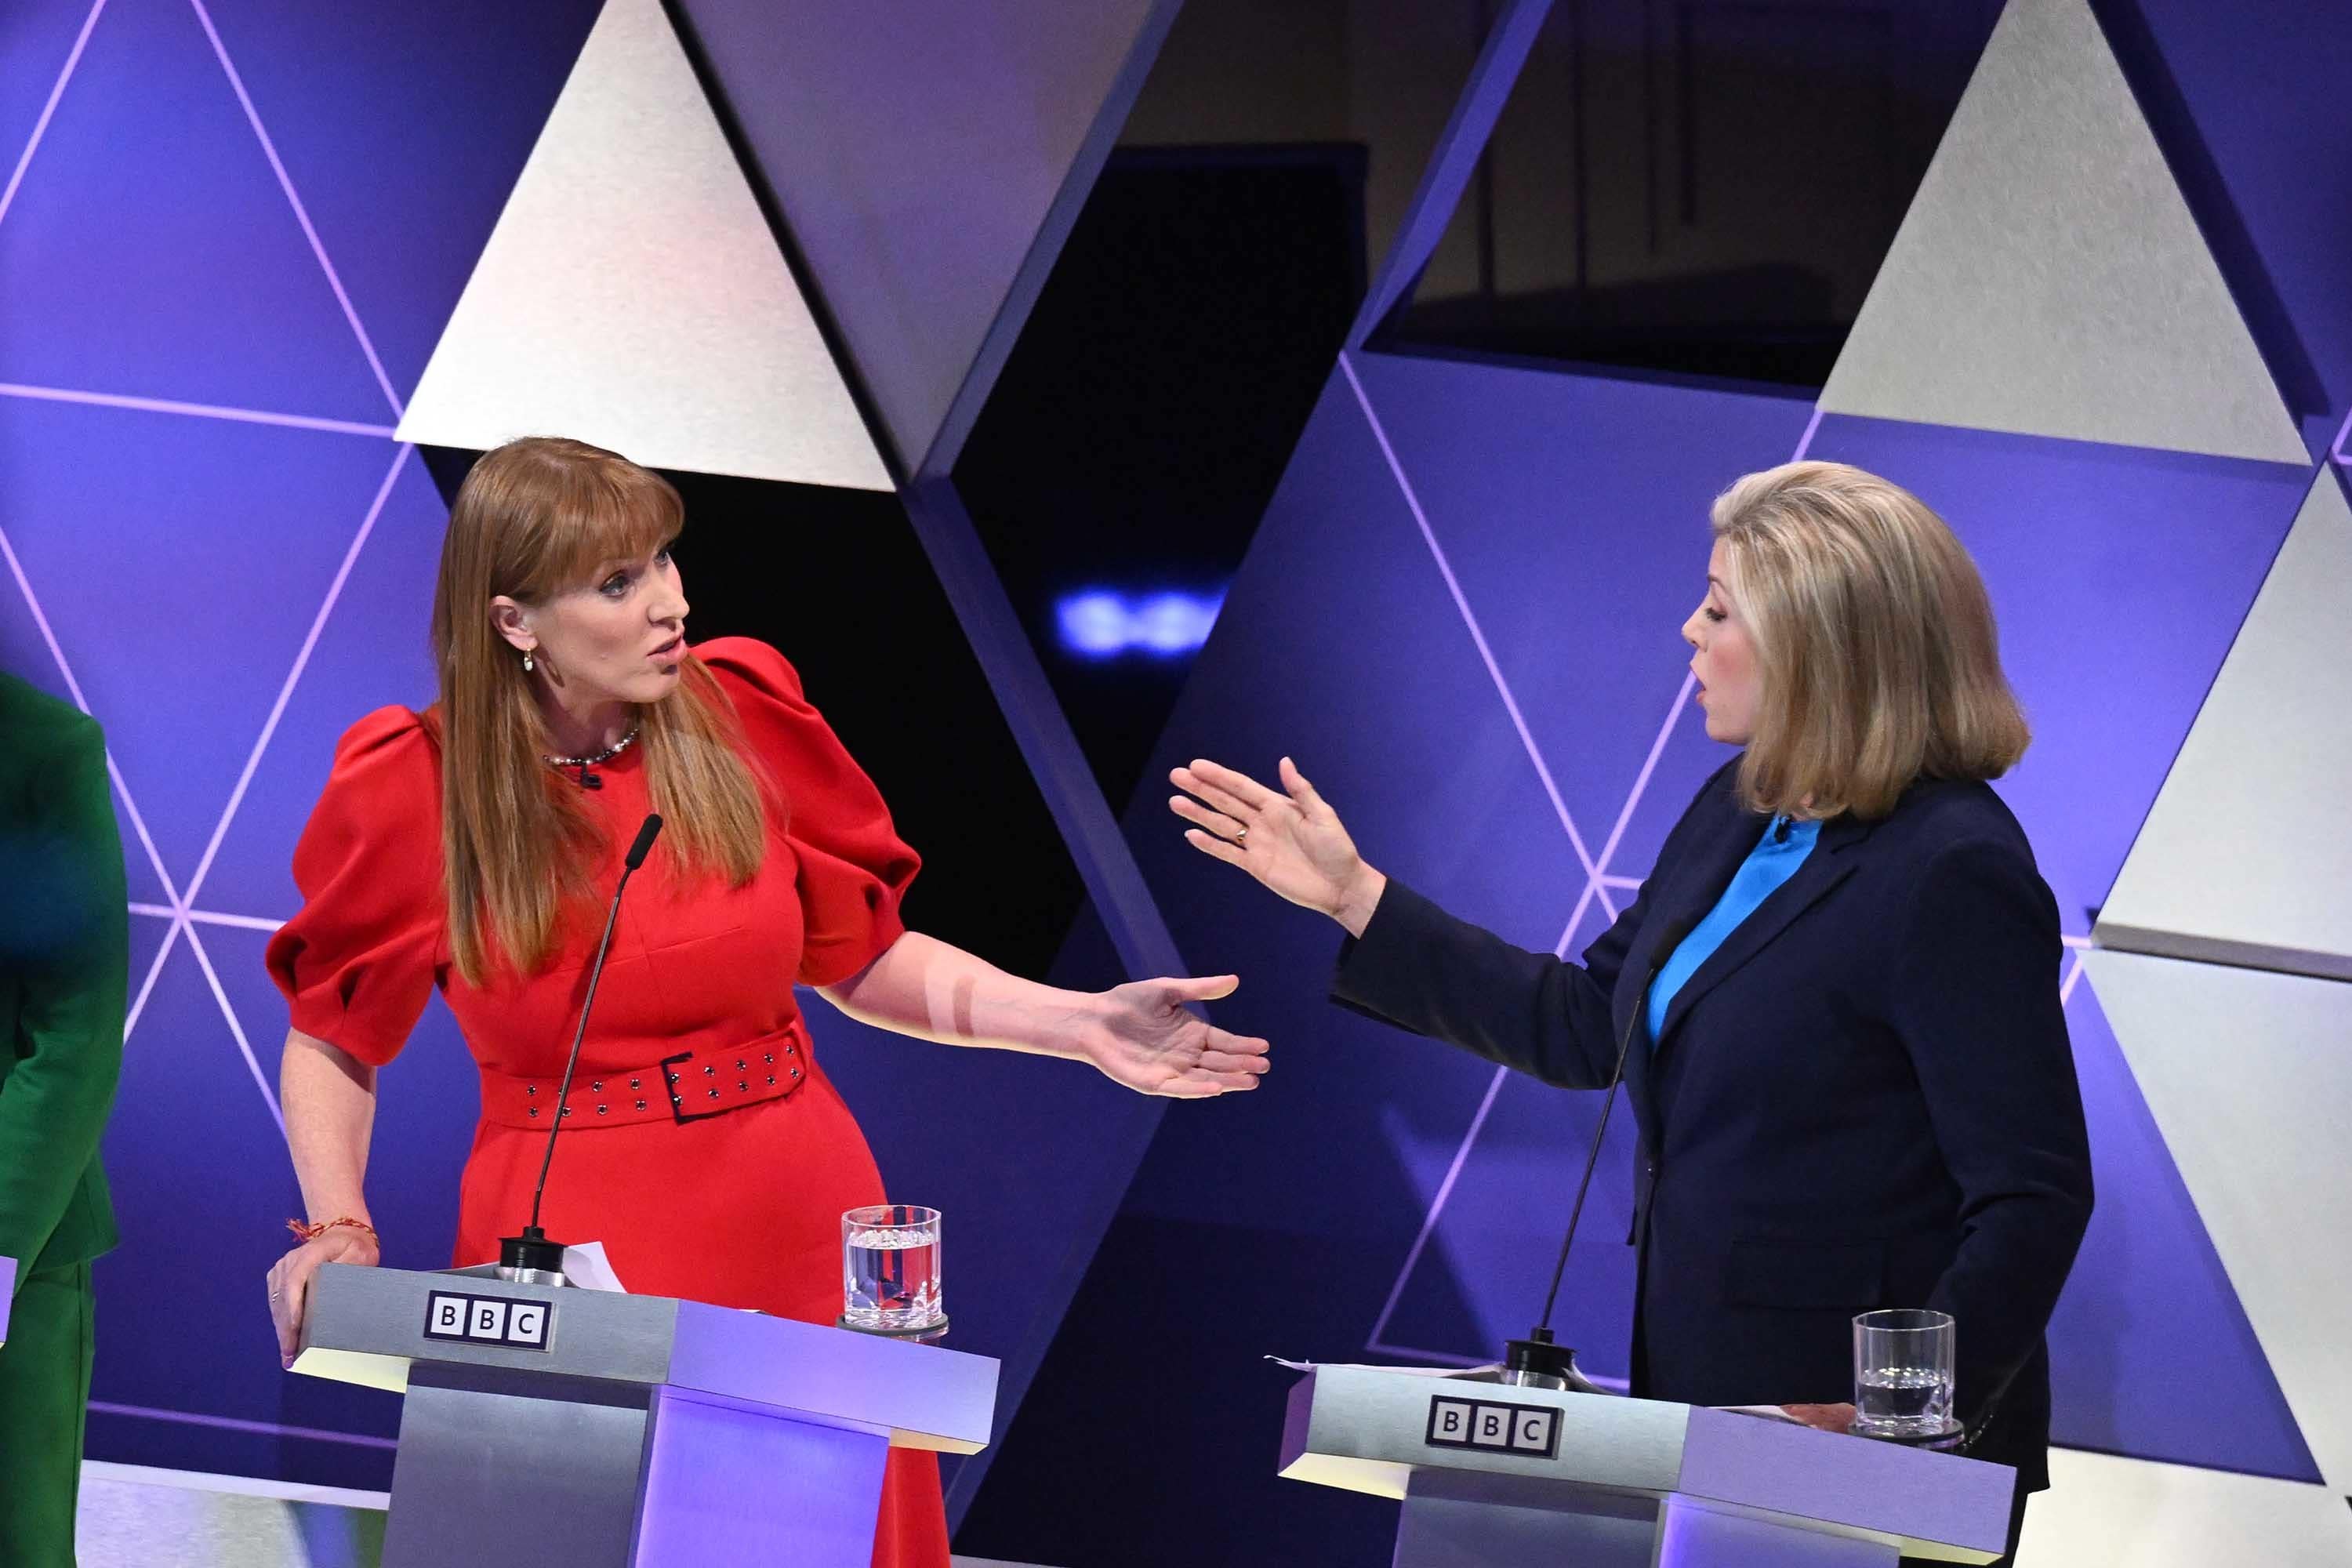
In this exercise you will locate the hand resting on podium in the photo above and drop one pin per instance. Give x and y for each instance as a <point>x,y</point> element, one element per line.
<point>330,1100</point>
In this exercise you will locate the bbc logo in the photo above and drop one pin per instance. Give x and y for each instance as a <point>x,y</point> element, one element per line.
<point>1532,1430</point>
<point>485,1319</point>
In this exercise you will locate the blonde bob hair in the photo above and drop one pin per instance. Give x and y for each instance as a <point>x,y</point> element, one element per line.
<point>534,518</point>
<point>1878,660</point>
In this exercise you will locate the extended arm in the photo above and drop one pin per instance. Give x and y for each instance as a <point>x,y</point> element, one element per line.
<point>329,1098</point>
<point>1140,1035</point>
<point>1407,962</point>
<point>1422,969</point>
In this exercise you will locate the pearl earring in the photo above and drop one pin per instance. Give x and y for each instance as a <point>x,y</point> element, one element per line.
<point>526,661</point>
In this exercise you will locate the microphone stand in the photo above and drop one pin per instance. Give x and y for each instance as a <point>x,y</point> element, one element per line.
<point>532,1258</point>
<point>1538,1360</point>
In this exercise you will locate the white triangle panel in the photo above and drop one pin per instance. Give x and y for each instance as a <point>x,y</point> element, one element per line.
<point>2104,1508</point>
<point>2246,856</point>
<point>2049,279</point>
<point>2249,1075</point>
<point>633,295</point>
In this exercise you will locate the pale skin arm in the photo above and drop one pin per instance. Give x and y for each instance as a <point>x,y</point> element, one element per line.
<point>329,1098</point>
<point>1140,1035</point>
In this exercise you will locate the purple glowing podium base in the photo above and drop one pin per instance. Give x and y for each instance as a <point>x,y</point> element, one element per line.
<point>590,1429</point>
<point>1490,1473</point>
<point>7,1293</point>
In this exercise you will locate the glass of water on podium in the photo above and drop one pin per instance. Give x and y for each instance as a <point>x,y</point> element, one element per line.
<point>1902,1376</point>
<point>890,1271</point>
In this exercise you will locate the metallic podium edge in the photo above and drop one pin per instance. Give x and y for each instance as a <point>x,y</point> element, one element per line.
<point>366,1326</point>
<point>1363,1428</point>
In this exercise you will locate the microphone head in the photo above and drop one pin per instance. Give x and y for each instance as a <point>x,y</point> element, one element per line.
<point>1539,1361</point>
<point>646,837</point>
<point>521,1257</point>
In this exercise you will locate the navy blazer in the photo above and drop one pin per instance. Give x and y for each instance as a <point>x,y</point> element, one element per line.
<point>1864,1098</point>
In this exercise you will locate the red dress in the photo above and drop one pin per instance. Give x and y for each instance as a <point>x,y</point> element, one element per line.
<point>732,1193</point>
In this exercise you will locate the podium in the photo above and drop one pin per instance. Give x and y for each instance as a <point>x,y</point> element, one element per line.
<point>1493,1474</point>
<point>545,1426</point>
<point>7,1293</point>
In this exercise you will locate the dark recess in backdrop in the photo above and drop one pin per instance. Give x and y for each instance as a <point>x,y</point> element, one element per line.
<point>1146,414</point>
<point>1706,189</point>
<point>836,581</point>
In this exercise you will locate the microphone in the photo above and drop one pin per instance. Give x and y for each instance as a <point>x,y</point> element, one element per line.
<point>1538,1361</point>
<point>531,1257</point>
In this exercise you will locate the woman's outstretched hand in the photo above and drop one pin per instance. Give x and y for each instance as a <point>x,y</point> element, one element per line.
<point>1147,1040</point>
<point>1291,841</point>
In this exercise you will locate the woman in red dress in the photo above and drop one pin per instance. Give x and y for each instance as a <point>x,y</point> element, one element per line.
<point>472,847</point>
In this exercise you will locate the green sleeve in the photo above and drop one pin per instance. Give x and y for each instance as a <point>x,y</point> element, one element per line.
<point>68,1045</point>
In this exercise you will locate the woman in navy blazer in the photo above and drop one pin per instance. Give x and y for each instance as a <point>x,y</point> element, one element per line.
<point>1854,1085</point>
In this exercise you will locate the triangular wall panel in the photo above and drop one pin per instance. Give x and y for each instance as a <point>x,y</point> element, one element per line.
<point>2246,856</point>
<point>2049,279</point>
<point>2116,1360</point>
<point>218,545</point>
<point>370,651</point>
<point>632,294</point>
<point>2249,1075</point>
<point>149,250</point>
<point>2247,100</point>
<point>2118,579</point>
<point>1572,511</point>
<point>918,153</point>
<point>403,149</point>
<point>2104,1508</point>
<point>42,34</point>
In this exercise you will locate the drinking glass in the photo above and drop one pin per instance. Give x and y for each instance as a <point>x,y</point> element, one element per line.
<point>1903,1375</point>
<point>890,1270</point>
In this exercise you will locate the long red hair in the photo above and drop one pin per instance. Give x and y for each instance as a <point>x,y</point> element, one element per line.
<point>534,518</point>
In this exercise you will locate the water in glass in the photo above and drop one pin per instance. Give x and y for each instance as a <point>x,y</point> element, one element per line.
<point>1903,1399</point>
<point>890,1271</point>
<point>1903,1375</point>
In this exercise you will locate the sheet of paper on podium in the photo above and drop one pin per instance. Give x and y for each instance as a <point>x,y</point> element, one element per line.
<point>586,1269</point>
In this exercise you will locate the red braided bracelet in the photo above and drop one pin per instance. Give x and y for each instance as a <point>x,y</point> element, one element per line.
<point>313,1232</point>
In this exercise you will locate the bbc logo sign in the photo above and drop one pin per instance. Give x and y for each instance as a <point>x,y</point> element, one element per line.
<point>486,1320</point>
<point>1532,1430</point>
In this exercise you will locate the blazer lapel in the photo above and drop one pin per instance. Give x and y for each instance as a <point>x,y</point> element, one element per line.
<point>1823,869</point>
<point>1682,899</point>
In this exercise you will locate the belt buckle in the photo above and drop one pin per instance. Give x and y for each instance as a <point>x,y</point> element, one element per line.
<point>676,1085</point>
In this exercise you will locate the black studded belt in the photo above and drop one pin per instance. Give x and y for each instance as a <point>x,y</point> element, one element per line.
<point>681,1087</point>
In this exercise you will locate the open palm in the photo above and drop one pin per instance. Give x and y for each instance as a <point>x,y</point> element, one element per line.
<point>1290,839</point>
<point>1153,1044</point>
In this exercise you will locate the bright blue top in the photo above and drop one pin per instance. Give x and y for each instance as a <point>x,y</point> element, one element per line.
<point>1774,861</point>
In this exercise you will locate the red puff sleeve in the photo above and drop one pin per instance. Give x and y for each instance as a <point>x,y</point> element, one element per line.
<point>854,867</point>
<point>357,963</point>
